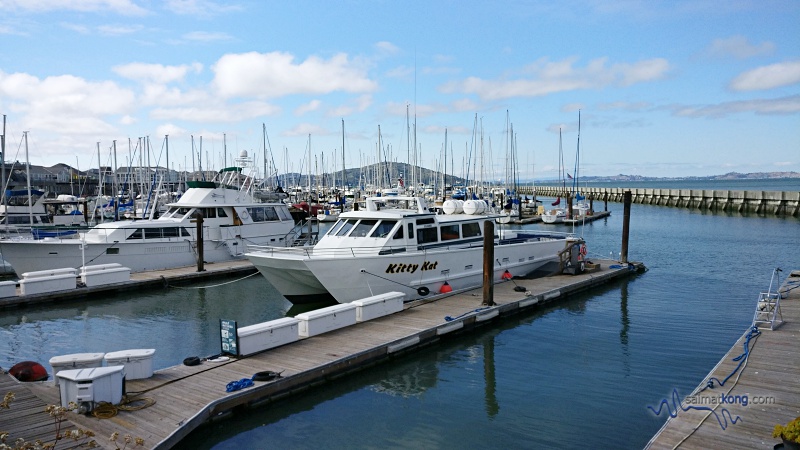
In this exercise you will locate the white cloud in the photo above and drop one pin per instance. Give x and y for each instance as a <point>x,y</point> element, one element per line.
<point>65,103</point>
<point>783,105</point>
<point>275,74</point>
<point>124,7</point>
<point>545,77</point>
<point>768,77</point>
<point>156,73</point>
<point>387,48</point>
<point>170,129</point>
<point>206,36</point>
<point>360,104</point>
<point>313,105</point>
<point>200,8</point>
<point>119,30</point>
<point>304,129</point>
<point>82,29</point>
<point>739,47</point>
<point>625,106</point>
<point>221,112</point>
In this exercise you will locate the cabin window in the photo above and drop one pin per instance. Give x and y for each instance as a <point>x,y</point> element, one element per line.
<point>284,214</point>
<point>449,232</point>
<point>425,221</point>
<point>346,227</point>
<point>335,227</point>
<point>399,233</point>
<point>152,233</point>
<point>411,231</point>
<point>221,212</point>
<point>137,234</point>
<point>185,232</point>
<point>171,232</point>
<point>112,251</point>
<point>469,230</point>
<point>182,212</point>
<point>209,213</point>
<point>270,214</point>
<point>384,228</point>
<point>363,227</point>
<point>427,235</point>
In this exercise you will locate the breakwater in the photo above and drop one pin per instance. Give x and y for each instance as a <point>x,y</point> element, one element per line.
<point>777,203</point>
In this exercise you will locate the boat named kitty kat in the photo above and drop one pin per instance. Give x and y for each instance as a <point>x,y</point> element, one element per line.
<point>399,244</point>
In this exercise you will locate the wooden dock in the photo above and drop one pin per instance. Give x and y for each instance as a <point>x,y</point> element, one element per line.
<point>152,279</point>
<point>769,379</point>
<point>188,396</point>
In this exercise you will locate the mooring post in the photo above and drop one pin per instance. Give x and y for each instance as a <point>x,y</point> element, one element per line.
<point>569,206</point>
<point>605,201</point>
<point>198,219</point>
<point>488,263</point>
<point>626,225</point>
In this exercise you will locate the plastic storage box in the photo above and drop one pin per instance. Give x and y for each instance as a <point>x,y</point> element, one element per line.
<point>378,305</point>
<point>75,361</point>
<point>326,319</point>
<point>266,335</point>
<point>138,362</point>
<point>87,387</point>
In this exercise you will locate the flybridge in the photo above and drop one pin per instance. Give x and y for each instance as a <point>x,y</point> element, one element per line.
<point>414,203</point>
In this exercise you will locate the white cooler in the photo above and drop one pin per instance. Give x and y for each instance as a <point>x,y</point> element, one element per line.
<point>267,335</point>
<point>138,362</point>
<point>75,361</point>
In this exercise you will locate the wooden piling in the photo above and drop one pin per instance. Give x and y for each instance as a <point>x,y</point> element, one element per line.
<point>626,225</point>
<point>198,219</point>
<point>488,263</point>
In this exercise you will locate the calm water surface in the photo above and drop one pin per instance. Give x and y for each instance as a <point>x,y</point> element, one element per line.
<point>583,371</point>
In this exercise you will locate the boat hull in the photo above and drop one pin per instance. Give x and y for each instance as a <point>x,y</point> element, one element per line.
<point>310,277</point>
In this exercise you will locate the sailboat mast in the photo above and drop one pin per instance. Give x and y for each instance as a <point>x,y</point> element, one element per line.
<point>28,178</point>
<point>344,184</point>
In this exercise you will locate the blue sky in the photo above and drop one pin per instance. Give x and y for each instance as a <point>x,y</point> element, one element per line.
<point>664,88</point>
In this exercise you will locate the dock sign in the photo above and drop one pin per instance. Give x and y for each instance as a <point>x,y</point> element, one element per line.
<point>229,336</point>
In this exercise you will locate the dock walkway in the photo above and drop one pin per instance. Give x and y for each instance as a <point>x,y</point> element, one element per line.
<point>769,380</point>
<point>188,396</point>
<point>151,279</point>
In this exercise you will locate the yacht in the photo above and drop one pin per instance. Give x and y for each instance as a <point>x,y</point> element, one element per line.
<point>398,243</point>
<point>232,221</point>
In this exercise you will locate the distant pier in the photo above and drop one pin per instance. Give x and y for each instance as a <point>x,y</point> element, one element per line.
<point>776,203</point>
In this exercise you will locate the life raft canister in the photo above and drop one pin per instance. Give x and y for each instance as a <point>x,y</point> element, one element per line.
<point>29,371</point>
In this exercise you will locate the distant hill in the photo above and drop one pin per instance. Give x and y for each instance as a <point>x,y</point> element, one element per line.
<point>727,176</point>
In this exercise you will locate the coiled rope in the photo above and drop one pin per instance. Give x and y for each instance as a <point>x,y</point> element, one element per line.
<point>106,410</point>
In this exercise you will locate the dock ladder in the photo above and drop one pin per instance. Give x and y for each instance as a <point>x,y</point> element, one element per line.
<point>768,307</point>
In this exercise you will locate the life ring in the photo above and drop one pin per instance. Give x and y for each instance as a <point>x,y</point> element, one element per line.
<point>267,375</point>
<point>583,250</point>
<point>244,214</point>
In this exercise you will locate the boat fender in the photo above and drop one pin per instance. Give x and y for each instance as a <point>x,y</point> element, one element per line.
<point>191,361</point>
<point>27,371</point>
<point>423,291</point>
<point>267,375</point>
<point>520,289</point>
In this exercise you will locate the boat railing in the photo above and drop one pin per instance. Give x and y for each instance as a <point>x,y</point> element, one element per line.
<point>305,233</point>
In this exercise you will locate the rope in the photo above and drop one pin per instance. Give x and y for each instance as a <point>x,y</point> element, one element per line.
<point>211,286</point>
<point>387,279</point>
<point>450,319</point>
<point>753,333</point>
<point>106,410</point>
<point>746,358</point>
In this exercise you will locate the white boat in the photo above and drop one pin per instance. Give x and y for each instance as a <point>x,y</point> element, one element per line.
<point>233,220</point>
<point>399,244</point>
<point>328,215</point>
<point>555,215</point>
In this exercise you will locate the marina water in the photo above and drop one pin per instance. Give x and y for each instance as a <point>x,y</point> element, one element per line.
<point>580,373</point>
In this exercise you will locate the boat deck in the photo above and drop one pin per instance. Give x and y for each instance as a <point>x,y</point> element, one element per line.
<point>770,380</point>
<point>188,396</point>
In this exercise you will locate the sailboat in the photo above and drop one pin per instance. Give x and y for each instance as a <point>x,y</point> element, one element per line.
<point>557,214</point>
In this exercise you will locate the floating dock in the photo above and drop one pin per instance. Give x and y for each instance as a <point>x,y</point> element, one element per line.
<point>764,392</point>
<point>189,396</point>
<point>151,279</point>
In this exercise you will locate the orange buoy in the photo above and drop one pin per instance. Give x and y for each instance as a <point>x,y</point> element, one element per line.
<point>507,275</point>
<point>446,288</point>
<point>29,371</point>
